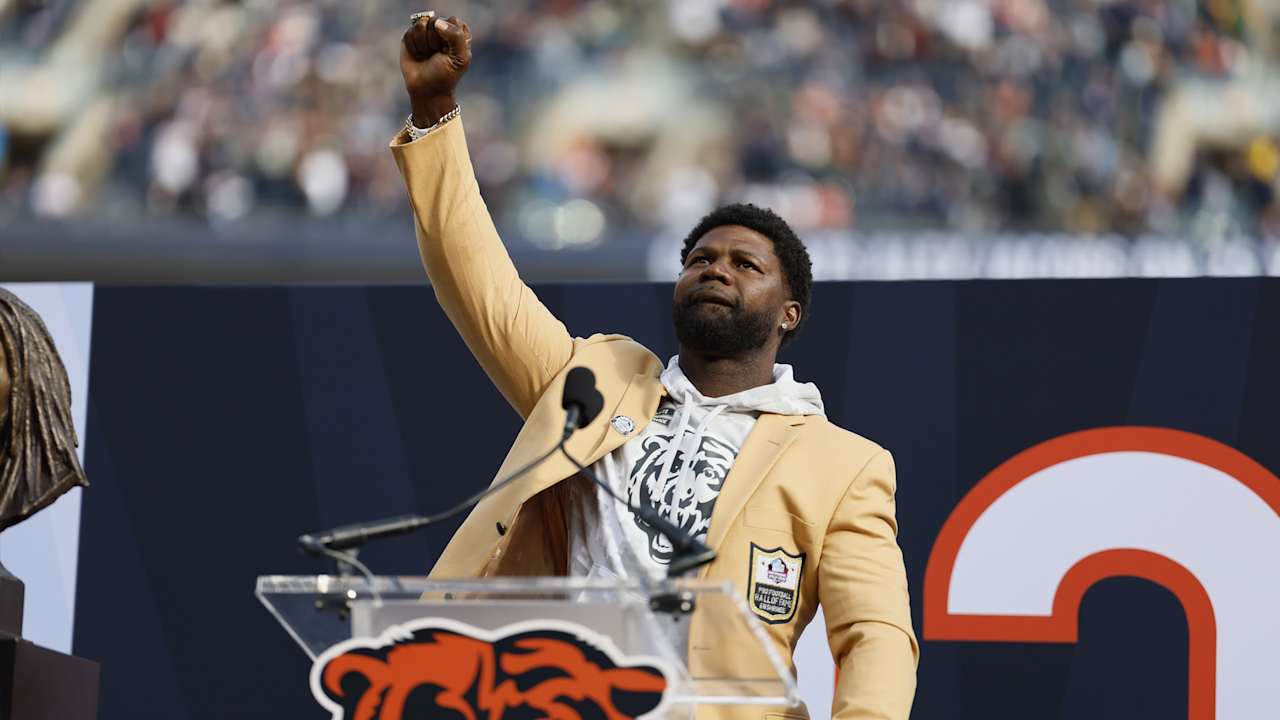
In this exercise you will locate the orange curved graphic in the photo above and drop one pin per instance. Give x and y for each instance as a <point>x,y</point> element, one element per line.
<point>442,673</point>
<point>1062,625</point>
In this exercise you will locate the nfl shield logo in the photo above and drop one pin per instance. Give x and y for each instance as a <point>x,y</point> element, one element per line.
<point>773,588</point>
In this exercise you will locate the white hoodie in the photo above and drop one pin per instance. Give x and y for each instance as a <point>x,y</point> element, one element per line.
<point>677,466</point>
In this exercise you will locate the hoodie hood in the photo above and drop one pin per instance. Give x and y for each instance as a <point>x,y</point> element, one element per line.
<point>784,396</point>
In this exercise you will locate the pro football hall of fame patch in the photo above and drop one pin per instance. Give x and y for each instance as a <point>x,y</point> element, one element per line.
<point>774,587</point>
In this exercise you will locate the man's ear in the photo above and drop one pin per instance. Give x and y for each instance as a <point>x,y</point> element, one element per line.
<point>791,314</point>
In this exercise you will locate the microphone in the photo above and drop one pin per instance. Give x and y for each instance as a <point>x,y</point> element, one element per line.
<point>581,401</point>
<point>350,536</point>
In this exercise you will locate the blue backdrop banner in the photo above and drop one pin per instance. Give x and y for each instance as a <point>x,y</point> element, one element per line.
<point>1086,474</point>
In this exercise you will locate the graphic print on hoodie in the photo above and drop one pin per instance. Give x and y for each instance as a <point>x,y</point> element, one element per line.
<point>677,465</point>
<point>654,481</point>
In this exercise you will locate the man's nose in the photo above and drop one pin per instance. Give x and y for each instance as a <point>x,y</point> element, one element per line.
<point>716,271</point>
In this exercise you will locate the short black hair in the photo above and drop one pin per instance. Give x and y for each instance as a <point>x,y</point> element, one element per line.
<point>796,266</point>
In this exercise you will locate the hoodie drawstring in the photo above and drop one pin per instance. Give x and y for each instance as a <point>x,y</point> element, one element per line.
<point>686,479</point>
<point>686,407</point>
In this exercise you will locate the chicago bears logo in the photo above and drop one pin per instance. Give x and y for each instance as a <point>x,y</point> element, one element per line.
<point>441,669</point>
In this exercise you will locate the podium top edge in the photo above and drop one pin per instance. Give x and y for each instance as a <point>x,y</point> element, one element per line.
<point>335,584</point>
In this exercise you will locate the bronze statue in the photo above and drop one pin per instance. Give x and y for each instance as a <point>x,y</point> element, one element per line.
<point>38,461</point>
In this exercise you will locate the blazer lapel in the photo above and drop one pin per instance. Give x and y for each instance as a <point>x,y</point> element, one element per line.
<point>639,403</point>
<point>765,444</point>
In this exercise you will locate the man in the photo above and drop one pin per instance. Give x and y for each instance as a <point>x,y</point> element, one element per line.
<point>721,441</point>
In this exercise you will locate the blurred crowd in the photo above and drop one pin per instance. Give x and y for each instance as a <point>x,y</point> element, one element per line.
<point>586,116</point>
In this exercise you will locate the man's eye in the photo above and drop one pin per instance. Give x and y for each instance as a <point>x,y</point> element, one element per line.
<point>747,265</point>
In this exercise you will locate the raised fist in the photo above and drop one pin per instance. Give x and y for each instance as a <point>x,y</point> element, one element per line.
<point>434,55</point>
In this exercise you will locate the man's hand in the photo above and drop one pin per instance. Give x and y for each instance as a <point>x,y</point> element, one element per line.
<point>434,55</point>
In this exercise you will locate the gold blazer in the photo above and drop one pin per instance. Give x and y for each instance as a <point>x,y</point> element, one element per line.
<point>799,483</point>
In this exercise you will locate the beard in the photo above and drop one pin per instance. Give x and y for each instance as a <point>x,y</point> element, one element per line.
<point>718,330</point>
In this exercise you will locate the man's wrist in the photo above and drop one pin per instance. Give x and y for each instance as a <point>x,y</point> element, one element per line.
<point>428,111</point>
<point>416,133</point>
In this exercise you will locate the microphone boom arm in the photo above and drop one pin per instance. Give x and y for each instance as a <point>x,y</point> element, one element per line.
<point>582,403</point>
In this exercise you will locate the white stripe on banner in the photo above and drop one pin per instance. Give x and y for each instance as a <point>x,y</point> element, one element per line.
<point>42,551</point>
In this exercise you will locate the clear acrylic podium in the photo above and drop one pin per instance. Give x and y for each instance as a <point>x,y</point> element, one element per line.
<point>320,611</point>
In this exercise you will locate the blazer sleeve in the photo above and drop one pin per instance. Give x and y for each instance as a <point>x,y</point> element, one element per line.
<point>517,341</point>
<point>862,586</point>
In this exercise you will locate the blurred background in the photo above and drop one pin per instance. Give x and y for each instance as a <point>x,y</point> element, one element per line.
<point>246,140</point>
